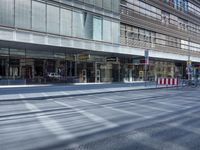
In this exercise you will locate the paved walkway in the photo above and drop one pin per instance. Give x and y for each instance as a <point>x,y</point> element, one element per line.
<point>51,91</point>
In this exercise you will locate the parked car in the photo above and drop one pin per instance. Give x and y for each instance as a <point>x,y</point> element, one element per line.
<point>53,75</point>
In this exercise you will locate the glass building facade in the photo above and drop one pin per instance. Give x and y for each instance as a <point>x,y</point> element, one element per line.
<point>53,17</point>
<point>43,32</point>
<point>45,41</point>
<point>165,26</point>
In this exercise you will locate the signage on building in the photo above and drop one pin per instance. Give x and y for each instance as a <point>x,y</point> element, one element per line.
<point>140,62</point>
<point>106,66</point>
<point>189,62</point>
<point>83,57</point>
<point>112,59</point>
<point>70,57</point>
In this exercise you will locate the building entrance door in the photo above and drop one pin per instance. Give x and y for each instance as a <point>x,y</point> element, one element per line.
<point>27,72</point>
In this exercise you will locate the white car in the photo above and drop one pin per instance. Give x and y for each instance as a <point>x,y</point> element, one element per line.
<point>53,75</point>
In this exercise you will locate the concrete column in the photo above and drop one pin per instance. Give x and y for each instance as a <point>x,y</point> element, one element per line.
<point>119,67</point>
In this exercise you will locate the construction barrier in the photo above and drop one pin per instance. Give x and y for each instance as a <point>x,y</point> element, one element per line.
<point>167,81</point>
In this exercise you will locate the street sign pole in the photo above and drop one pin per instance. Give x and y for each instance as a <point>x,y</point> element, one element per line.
<point>145,74</point>
<point>146,55</point>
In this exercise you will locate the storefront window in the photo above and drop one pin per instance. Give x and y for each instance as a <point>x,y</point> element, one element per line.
<point>2,68</point>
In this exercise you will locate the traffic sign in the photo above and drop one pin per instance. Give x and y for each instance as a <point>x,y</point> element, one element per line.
<point>189,62</point>
<point>146,55</point>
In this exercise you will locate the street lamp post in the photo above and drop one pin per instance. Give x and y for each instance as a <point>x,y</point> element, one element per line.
<point>189,61</point>
<point>146,54</point>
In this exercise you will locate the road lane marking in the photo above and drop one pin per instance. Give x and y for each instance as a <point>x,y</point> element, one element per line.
<point>169,104</point>
<point>116,109</point>
<point>21,96</point>
<point>91,116</point>
<point>135,104</point>
<point>86,101</point>
<point>64,93</point>
<point>45,94</point>
<point>50,124</point>
<point>127,112</point>
<point>150,107</point>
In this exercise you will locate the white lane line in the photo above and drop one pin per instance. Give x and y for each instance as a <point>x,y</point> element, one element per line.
<point>150,107</point>
<point>127,112</point>
<point>64,93</point>
<point>91,116</point>
<point>109,99</point>
<point>45,94</point>
<point>86,101</point>
<point>50,124</point>
<point>21,96</point>
<point>169,104</point>
<point>116,109</point>
<point>136,104</point>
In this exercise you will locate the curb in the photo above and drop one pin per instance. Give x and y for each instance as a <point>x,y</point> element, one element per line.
<point>83,94</point>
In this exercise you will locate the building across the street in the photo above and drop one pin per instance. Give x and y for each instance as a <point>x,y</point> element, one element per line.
<point>47,41</point>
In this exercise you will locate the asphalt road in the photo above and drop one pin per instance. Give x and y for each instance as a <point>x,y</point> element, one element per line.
<point>162,119</point>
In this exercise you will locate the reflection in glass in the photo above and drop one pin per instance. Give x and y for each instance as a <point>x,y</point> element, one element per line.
<point>38,16</point>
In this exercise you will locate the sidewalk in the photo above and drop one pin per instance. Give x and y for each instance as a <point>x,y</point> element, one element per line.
<point>51,91</point>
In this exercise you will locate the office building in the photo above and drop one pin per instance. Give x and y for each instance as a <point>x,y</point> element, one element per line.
<point>46,41</point>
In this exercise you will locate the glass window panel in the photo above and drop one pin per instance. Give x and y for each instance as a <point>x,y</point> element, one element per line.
<point>17,52</point>
<point>65,1</point>
<point>98,3</point>
<point>78,24</point>
<point>107,4</point>
<point>38,16</point>
<point>7,12</point>
<point>89,2</point>
<point>88,25</point>
<point>107,30</point>
<point>23,13</point>
<point>66,22</point>
<point>115,5</point>
<point>97,28</point>
<point>4,51</point>
<point>136,5</point>
<point>53,19</point>
<point>115,32</point>
<point>130,1</point>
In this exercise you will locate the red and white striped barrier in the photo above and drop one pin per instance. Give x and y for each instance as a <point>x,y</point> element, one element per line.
<point>167,81</point>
